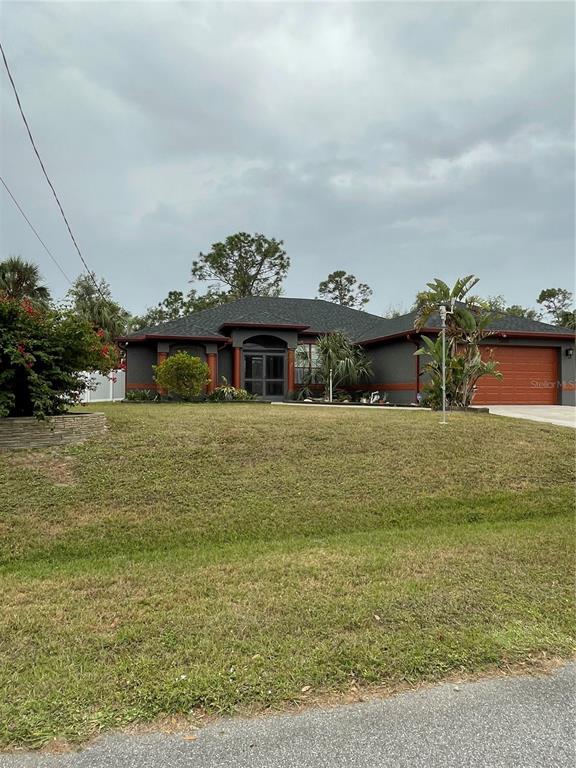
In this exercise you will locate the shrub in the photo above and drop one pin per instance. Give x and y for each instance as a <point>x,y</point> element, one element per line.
<point>227,393</point>
<point>43,353</point>
<point>141,396</point>
<point>183,375</point>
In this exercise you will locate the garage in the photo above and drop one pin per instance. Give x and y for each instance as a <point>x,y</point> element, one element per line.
<point>530,374</point>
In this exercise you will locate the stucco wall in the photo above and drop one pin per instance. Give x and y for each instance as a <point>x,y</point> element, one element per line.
<point>290,338</point>
<point>394,370</point>
<point>196,350</point>
<point>568,376</point>
<point>225,364</point>
<point>139,361</point>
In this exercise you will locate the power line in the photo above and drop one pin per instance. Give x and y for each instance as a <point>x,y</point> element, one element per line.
<point>88,270</point>
<point>17,204</point>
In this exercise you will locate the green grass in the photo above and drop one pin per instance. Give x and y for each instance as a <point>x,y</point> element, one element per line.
<point>225,557</point>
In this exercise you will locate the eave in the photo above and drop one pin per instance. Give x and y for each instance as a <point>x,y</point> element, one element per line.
<point>492,334</point>
<point>277,326</point>
<point>166,337</point>
<point>532,334</point>
<point>406,334</point>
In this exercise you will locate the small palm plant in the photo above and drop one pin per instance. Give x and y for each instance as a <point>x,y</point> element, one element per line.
<point>226,392</point>
<point>338,355</point>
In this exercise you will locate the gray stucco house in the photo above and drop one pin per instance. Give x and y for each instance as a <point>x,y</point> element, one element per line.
<point>253,342</point>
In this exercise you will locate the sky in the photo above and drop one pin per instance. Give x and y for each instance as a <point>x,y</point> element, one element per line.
<point>397,141</point>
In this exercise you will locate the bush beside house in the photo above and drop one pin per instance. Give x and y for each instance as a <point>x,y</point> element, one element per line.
<point>183,375</point>
<point>43,354</point>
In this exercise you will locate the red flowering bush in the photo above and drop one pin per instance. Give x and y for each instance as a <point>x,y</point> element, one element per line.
<point>43,354</point>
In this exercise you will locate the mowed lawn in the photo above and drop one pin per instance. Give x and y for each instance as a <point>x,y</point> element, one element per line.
<point>223,558</point>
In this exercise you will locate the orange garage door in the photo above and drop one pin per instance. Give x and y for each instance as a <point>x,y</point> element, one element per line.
<point>530,377</point>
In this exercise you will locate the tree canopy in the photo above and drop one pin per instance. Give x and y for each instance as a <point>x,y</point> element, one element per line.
<point>498,305</point>
<point>21,279</point>
<point>91,299</point>
<point>177,304</point>
<point>343,288</point>
<point>558,303</point>
<point>42,354</point>
<point>245,265</point>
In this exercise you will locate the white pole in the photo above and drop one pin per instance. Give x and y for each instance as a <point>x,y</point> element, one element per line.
<point>443,319</point>
<point>330,384</point>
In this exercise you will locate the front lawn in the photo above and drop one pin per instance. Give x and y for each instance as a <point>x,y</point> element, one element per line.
<point>220,558</point>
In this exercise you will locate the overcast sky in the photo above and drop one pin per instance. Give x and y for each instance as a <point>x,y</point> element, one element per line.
<point>399,142</point>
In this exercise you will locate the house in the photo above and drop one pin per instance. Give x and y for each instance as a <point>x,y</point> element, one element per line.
<point>253,342</point>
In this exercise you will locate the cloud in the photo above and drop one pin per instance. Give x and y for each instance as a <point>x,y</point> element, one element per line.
<point>396,140</point>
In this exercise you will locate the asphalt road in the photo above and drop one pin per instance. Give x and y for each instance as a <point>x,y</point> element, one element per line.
<point>523,722</point>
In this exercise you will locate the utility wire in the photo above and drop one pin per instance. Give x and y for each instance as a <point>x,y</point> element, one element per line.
<point>88,270</point>
<point>17,204</point>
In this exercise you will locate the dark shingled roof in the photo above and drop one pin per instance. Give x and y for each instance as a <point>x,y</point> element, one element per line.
<point>504,323</point>
<point>316,315</point>
<point>313,316</point>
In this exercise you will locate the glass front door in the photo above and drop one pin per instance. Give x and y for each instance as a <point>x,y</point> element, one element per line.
<point>264,373</point>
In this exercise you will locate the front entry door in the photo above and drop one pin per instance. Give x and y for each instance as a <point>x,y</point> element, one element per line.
<point>264,373</point>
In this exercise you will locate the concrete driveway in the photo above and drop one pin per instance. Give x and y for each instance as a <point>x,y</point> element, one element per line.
<point>508,722</point>
<point>560,415</point>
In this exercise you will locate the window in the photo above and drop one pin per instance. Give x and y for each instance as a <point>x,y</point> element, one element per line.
<point>306,361</point>
<point>274,388</point>
<point>264,373</point>
<point>274,367</point>
<point>254,366</point>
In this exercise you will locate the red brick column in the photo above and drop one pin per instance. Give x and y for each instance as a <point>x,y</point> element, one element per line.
<point>212,360</point>
<point>291,385</point>
<point>236,363</point>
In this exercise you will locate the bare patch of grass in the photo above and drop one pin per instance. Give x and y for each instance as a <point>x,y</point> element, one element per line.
<point>53,465</point>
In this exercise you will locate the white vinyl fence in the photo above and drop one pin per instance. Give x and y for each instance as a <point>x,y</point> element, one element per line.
<point>105,388</point>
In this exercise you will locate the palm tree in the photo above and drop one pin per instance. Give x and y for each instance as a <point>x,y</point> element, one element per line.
<point>347,361</point>
<point>463,371</point>
<point>457,298</point>
<point>467,324</point>
<point>92,300</point>
<point>21,279</point>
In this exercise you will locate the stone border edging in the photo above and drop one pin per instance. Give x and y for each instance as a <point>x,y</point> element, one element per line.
<point>21,432</point>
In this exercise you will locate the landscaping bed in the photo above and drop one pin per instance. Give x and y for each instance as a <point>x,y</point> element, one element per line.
<point>240,559</point>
